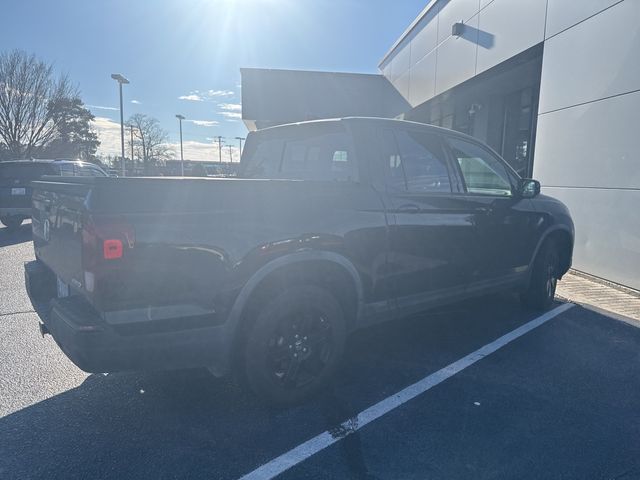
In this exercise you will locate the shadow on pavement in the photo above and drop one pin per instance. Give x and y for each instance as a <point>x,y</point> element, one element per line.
<point>21,235</point>
<point>186,424</point>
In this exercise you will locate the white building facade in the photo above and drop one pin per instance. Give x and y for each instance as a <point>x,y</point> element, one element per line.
<point>552,85</point>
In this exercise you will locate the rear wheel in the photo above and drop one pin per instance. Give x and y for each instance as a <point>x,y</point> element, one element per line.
<point>12,222</point>
<point>544,278</point>
<point>295,345</point>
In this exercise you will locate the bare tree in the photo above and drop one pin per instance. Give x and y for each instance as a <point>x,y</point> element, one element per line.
<point>29,97</point>
<point>151,140</point>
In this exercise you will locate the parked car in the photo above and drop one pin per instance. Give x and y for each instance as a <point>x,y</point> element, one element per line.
<point>15,184</point>
<point>332,226</point>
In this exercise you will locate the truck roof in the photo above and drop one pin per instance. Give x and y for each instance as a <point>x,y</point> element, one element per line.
<point>373,120</point>
<point>25,162</point>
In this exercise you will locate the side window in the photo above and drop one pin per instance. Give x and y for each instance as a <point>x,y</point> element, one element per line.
<point>324,156</point>
<point>393,171</point>
<point>340,162</point>
<point>90,171</point>
<point>67,170</point>
<point>483,173</point>
<point>416,163</point>
<point>84,171</point>
<point>52,170</point>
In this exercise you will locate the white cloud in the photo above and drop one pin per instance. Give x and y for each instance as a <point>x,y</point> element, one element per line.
<point>231,115</point>
<point>230,111</point>
<point>204,123</point>
<point>136,102</point>
<point>109,135</point>
<point>192,97</point>
<point>100,107</point>
<point>220,93</point>
<point>204,96</point>
<point>233,107</point>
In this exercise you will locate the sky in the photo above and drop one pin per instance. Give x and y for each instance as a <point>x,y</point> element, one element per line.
<point>184,56</point>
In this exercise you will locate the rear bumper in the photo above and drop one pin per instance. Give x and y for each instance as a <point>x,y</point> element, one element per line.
<point>25,212</point>
<point>95,346</point>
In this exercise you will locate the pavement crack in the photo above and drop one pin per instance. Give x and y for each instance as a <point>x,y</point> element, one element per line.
<point>16,313</point>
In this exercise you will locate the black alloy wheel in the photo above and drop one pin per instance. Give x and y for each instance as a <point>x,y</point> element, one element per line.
<point>295,345</point>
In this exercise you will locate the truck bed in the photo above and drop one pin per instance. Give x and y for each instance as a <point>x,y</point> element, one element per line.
<point>187,242</point>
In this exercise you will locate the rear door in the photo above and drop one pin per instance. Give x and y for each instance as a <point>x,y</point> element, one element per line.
<point>339,210</point>
<point>505,224</point>
<point>431,233</point>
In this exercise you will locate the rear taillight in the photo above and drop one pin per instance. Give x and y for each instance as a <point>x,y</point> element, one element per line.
<point>111,248</point>
<point>105,239</point>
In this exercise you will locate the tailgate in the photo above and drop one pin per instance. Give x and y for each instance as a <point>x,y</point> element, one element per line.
<point>57,215</point>
<point>15,196</point>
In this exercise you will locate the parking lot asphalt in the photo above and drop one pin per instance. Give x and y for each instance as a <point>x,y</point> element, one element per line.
<point>561,401</point>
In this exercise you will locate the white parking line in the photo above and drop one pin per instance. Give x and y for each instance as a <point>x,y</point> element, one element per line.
<point>320,442</point>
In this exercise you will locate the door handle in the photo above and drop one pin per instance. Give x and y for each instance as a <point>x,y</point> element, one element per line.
<point>409,208</point>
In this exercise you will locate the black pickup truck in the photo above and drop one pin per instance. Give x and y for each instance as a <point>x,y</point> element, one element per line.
<point>330,226</point>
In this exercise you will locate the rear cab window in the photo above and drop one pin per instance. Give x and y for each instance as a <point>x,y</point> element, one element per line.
<point>321,152</point>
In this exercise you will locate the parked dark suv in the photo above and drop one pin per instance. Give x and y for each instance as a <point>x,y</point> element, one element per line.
<point>330,226</point>
<point>16,178</point>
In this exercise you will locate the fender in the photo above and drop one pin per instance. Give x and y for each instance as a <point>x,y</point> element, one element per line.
<point>544,236</point>
<point>235,315</point>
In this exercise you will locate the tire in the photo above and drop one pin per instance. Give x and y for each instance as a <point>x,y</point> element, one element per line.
<point>542,288</point>
<point>295,345</point>
<point>12,222</point>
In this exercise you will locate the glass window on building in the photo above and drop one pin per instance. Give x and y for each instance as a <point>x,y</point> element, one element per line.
<point>517,134</point>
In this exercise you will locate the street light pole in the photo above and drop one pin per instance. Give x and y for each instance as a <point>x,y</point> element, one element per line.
<point>121,80</point>
<point>220,148</point>
<point>180,118</point>
<point>240,139</point>
<point>131,132</point>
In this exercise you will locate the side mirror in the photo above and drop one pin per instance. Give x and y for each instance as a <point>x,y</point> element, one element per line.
<point>529,188</point>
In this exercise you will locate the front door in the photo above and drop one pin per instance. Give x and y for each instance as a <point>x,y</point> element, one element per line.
<point>504,222</point>
<point>431,234</point>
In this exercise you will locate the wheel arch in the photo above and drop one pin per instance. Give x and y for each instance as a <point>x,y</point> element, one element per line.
<point>563,238</point>
<point>319,267</point>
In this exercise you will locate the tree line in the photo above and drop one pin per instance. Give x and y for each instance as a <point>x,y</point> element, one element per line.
<point>43,116</point>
